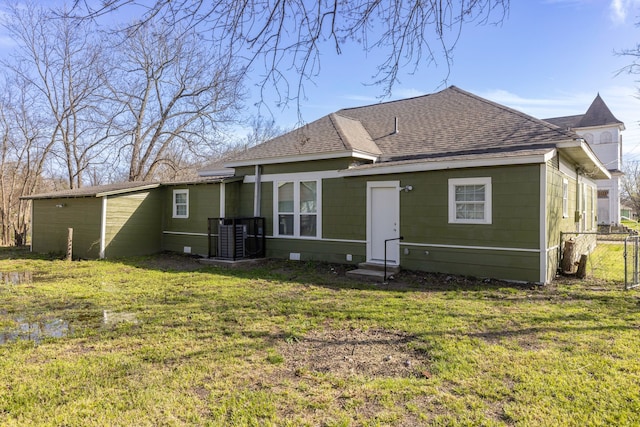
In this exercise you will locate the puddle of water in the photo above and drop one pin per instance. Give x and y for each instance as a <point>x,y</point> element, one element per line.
<point>16,277</point>
<point>36,331</point>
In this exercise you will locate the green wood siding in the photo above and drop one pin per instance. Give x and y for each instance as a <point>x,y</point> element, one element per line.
<point>425,227</point>
<point>556,222</point>
<point>204,203</point>
<point>133,224</point>
<point>344,208</point>
<point>50,225</point>
<point>314,250</point>
<point>199,244</point>
<point>232,199</point>
<point>510,265</point>
<point>424,210</point>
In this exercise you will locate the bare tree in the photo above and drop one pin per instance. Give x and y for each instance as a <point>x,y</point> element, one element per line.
<point>169,98</point>
<point>279,37</point>
<point>631,184</point>
<point>261,129</point>
<point>23,154</point>
<point>59,58</point>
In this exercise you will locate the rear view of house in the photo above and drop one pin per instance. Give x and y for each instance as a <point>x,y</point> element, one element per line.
<point>447,182</point>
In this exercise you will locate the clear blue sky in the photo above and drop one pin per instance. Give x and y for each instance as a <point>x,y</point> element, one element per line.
<point>549,58</point>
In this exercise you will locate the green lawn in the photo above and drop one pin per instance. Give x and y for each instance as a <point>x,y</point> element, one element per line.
<point>164,341</point>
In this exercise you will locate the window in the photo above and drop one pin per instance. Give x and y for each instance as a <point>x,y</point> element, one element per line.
<point>181,203</point>
<point>297,208</point>
<point>606,138</point>
<point>565,198</point>
<point>470,200</point>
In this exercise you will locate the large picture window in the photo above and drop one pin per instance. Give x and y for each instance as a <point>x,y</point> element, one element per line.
<point>297,208</point>
<point>181,203</point>
<point>470,201</point>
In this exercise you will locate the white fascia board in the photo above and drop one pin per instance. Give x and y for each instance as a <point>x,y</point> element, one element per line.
<point>581,144</point>
<point>427,165</point>
<point>303,158</point>
<point>216,172</point>
<point>294,176</point>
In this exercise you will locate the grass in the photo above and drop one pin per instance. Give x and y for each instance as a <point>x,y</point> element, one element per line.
<point>163,341</point>
<point>631,224</point>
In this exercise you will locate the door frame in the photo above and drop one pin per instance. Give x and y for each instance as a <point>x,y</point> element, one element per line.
<point>393,250</point>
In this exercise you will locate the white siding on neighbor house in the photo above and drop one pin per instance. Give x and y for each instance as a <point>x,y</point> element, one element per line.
<point>608,152</point>
<point>606,143</point>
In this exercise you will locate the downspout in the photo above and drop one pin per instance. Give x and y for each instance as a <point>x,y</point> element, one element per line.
<point>31,228</point>
<point>257,196</point>
<point>103,227</point>
<point>223,200</point>
<point>576,213</point>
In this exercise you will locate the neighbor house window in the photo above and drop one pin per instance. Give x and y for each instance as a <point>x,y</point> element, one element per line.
<point>470,200</point>
<point>297,208</point>
<point>565,198</point>
<point>181,203</point>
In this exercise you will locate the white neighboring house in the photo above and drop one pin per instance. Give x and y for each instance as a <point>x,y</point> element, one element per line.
<point>599,127</point>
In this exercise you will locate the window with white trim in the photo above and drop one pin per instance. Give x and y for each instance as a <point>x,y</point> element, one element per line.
<point>565,198</point>
<point>470,200</point>
<point>181,203</point>
<point>297,208</point>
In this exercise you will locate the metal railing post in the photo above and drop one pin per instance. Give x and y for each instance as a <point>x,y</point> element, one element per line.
<point>385,255</point>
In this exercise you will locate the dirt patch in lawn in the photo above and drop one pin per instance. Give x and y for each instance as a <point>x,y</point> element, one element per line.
<point>374,353</point>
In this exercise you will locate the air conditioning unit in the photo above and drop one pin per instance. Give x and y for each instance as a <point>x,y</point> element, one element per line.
<point>231,241</point>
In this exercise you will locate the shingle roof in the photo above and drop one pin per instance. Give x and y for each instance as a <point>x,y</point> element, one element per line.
<point>443,123</point>
<point>598,114</point>
<point>320,136</point>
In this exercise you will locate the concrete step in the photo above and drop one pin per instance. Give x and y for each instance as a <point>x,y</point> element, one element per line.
<point>391,269</point>
<point>365,274</point>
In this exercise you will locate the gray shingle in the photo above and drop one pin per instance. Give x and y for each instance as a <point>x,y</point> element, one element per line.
<point>444,123</point>
<point>451,121</point>
<point>598,114</point>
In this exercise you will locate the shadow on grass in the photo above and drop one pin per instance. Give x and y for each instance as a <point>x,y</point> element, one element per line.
<point>333,276</point>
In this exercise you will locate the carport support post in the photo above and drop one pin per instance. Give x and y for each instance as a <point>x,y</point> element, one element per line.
<point>69,244</point>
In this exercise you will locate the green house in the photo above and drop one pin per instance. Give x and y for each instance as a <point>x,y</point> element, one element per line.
<point>447,182</point>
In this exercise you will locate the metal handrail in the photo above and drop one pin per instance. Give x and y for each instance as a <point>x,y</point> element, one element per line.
<point>385,254</point>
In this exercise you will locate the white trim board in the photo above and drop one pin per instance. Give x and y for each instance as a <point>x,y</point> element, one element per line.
<point>184,233</point>
<point>488,248</point>
<point>303,158</point>
<point>316,239</point>
<point>543,223</point>
<point>433,165</point>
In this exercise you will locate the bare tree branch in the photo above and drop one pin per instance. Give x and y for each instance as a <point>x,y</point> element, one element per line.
<point>283,39</point>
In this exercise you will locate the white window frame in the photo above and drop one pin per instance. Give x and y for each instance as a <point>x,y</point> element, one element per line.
<point>565,198</point>
<point>296,209</point>
<point>457,182</point>
<point>175,204</point>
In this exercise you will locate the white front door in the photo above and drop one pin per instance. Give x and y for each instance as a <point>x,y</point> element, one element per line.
<point>383,221</point>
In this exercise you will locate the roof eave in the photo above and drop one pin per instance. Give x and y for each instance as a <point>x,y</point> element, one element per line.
<point>579,151</point>
<point>128,190</point>
<point>433,164</point>
<point>216,172</point>
<point>304,158</point>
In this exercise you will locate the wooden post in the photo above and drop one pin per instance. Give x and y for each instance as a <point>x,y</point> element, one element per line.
<point>568,256</point>
<point>582,267</point>
<point>69,244</point>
